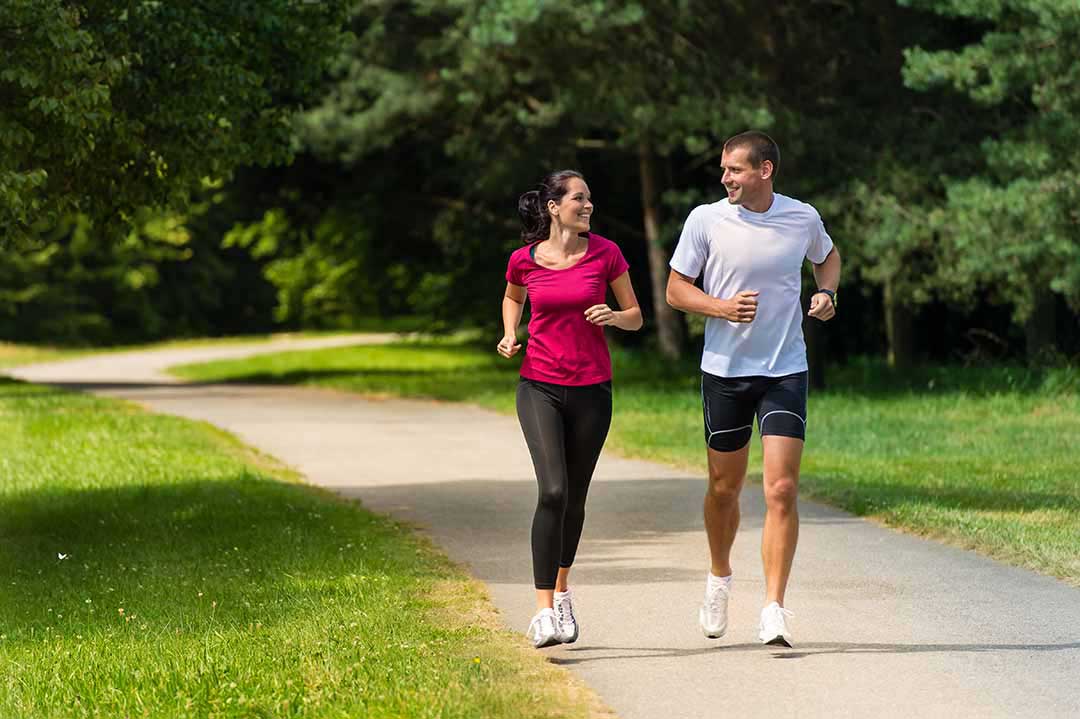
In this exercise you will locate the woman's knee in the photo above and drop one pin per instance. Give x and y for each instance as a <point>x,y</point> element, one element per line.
<point>553,497</point>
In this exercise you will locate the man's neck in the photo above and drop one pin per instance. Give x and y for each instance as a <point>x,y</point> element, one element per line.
<point>761,204</point>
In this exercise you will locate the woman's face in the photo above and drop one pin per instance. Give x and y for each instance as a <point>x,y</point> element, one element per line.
<point>575,210</point>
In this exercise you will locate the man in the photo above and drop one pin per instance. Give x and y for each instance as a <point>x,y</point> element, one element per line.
<point>751,249</point>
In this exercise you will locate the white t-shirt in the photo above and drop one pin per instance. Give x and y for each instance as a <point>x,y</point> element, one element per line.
<point>744,250</point>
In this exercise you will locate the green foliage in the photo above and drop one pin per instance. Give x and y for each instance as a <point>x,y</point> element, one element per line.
<point>108,108</point>
<point>161,278</point>
<point>319,287</point>
<point>1014,226</point>
<point>493,95</point>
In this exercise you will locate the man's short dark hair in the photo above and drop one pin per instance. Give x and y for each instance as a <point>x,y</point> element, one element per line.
<point>760,147</point>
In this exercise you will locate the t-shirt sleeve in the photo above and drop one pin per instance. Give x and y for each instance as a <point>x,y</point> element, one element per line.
<point>617,264</point>
<point>693,248</point>
<point>515,274</point>
<point>820,244</point>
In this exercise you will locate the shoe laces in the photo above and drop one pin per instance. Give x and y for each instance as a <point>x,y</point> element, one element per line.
<point>715,596</point>
<point>565,609</point>
<point>778,614</point>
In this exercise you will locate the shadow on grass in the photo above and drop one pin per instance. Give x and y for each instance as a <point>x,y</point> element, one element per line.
<point>871,377</point>
<point>233,552</point>
<point>864,497</point>
<point>647,370</point>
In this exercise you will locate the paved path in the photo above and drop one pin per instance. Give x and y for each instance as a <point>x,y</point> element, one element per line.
<point>886,625</point>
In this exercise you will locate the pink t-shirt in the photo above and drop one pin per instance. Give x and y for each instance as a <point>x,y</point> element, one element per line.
<point>565,348</point>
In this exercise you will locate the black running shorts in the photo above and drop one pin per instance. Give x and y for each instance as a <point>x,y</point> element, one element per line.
<point>730,403</point>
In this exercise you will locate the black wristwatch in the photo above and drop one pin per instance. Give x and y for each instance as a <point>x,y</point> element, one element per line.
<point>830,293</point>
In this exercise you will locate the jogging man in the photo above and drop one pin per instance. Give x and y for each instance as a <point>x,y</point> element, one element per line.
<point>751,249</point>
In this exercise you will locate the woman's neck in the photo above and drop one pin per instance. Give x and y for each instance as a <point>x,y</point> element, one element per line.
<point>566,242</point>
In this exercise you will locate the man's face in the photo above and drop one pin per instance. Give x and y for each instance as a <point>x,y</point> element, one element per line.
<point>745,183</point>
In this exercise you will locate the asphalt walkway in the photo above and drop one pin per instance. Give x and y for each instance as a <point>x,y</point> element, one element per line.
<point>886,624</point>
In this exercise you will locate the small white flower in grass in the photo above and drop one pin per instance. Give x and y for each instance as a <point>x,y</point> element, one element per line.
<point>61,556</point>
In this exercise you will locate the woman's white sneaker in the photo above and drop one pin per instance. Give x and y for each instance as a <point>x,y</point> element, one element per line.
<point>564,616</point>
<point>543,630</point>
<point>774,629</point>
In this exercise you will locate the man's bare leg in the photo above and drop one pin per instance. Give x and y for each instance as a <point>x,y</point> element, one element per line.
<point>782,456</point>
<point>727,472</point>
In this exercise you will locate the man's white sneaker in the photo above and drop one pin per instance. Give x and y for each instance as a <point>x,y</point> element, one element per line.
<point>774,629</point>
<point>564,616</point>
<point>543,629</point>
<point>713,612</point>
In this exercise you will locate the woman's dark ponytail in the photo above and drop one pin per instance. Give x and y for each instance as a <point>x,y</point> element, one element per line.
<point>532,205</point>
<point>532,218</point>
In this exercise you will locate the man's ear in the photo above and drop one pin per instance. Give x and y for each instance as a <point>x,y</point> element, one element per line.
<point>766,169</point>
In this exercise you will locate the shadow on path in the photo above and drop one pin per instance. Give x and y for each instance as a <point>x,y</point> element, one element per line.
<point>579,655</point>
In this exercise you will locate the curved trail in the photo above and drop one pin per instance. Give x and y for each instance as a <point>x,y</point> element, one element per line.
<point>886,625</point>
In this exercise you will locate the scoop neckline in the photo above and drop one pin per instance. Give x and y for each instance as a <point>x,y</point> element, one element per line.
<point>588,249</point>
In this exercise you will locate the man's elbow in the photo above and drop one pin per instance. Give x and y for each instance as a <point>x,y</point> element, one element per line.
<point>671,298</point>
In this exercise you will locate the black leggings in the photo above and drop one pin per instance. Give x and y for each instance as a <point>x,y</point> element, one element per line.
<point>565,428</point>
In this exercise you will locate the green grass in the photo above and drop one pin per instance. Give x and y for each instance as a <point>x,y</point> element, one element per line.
<point>152,566</point>
<point>13,355</point>
<point>985,458</point>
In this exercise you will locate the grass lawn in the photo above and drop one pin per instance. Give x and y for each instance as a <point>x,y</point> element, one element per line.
<point>12,355</point>
<point>152,566</point>
<point>984,458</point>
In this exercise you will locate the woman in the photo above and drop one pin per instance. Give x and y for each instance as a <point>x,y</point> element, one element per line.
<point>564,397</point>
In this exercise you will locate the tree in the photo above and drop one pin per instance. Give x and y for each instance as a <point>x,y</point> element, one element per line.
<point>106,107</point>
<point>502,86</point>
<point>1015,227</point>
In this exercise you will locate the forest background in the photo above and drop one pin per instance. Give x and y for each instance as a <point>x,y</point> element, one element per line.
<point>213,168</point>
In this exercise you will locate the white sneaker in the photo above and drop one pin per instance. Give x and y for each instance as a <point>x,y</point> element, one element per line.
<point>564,614</point>
<point>543,629</point>
<point>713,613</point>
<point>774,629</point>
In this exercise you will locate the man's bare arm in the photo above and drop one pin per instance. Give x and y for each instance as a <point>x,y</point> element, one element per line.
<point>685,296</point>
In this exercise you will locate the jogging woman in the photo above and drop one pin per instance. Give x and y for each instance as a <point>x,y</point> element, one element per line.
<point>564,397</point>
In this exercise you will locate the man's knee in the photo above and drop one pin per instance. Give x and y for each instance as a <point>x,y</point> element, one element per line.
<point>781,492</point>
<point>724,489</point>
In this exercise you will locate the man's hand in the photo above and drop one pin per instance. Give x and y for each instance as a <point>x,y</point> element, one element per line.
<point>821,307</point>
<point>740,308</point>
<point>508,346</point>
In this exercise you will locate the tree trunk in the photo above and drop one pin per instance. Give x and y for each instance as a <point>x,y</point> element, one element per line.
<point>668,322</point>
<point>898,329</point>
<point>1040,329</point>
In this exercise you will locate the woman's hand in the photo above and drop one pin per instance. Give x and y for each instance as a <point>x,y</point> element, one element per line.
<point>601,315</point>
<point>508,346</point>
